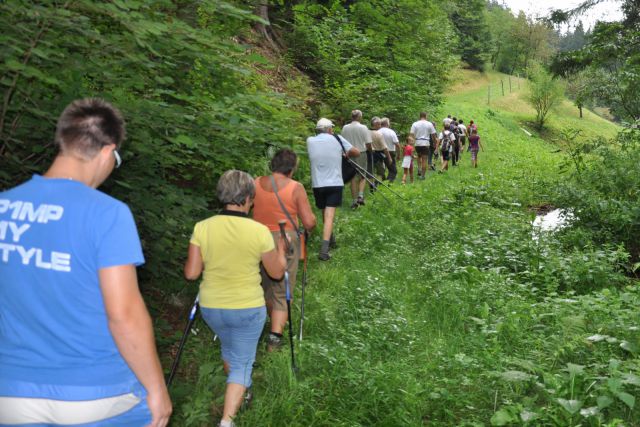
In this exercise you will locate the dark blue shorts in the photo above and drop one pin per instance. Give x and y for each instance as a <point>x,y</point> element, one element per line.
<point>328,197</point>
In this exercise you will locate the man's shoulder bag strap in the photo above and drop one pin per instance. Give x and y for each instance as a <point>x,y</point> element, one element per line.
<point>341,145</point>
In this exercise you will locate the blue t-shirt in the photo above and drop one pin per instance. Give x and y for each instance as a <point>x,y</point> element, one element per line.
<point>55,234</point>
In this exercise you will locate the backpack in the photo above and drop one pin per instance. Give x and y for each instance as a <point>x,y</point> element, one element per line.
<point>446,140</point>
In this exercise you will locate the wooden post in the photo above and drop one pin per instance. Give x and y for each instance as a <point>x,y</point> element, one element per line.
<point>489,94</point>
<point>502,83</point>
<point>509,83</point>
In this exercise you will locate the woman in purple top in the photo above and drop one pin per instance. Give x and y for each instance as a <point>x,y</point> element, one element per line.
<point>474,146</point>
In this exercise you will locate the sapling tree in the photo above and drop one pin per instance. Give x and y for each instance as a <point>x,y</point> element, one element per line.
<point>545,92</point>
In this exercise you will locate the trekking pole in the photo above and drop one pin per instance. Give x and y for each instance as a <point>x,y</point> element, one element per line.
<point>360,172</point>
<point>304,282</point>
<point>185,334</point>
<point>288,296</point>
<point>372,176</point>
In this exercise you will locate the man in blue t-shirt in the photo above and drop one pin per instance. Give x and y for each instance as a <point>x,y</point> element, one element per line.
<point>76,340</point>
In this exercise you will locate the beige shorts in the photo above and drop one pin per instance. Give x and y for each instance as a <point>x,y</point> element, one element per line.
<point>274,290</point>
<point>361,160</point>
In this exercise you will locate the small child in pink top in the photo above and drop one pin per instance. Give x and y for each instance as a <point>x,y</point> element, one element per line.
<point>407,161</point>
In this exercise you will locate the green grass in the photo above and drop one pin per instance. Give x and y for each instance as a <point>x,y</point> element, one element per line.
<point>440,309</point>
<point>470,98</point>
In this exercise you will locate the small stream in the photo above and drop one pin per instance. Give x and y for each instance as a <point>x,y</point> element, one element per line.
<point>551,221</point>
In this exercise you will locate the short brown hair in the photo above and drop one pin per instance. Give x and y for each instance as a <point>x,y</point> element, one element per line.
<point>87,125</point>
<point>284,161</point>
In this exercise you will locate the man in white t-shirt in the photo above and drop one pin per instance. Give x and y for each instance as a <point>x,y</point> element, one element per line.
<point>381,155</point>
<point>391,139</point>
<point>424,134</point>
<point>360,137</point>
<point>447,121</point>
<point>325,156</point>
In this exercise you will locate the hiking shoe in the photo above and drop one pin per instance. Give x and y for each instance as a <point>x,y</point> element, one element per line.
<point>324,256</point>
<point>247,399</point>
<point>274,342</point>
<point>360,201</point>
<point>354,205</point>
<point>332,242</point>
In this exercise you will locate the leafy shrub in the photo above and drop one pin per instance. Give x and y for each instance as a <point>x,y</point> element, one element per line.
<point>545,92</point>
<point>606,198</point>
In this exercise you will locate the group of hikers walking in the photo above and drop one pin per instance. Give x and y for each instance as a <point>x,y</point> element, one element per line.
<point>425,143</point>
<point>76,340</point>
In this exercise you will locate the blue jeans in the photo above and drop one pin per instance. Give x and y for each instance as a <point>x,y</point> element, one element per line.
<point>239,331</point>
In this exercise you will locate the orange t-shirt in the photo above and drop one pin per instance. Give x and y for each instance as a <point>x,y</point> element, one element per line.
<point>267,210</point>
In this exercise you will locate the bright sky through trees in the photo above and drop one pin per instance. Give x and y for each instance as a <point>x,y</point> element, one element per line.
<point>606,11</point>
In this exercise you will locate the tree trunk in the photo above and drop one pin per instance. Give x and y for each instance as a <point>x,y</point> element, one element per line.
<point>262,10</point>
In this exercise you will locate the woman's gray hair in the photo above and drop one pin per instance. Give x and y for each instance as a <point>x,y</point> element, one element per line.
<point>385,122</point>
<point>234,187</point>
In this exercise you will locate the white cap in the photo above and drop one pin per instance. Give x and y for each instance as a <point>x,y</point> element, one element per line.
<point>324,124</point>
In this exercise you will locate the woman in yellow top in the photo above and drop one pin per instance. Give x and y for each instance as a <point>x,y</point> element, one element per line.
<point>227,249</point>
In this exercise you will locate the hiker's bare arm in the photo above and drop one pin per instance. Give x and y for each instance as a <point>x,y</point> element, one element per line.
<point>194,265</point>
<point>304,208</point>
<point>274,261</point>
<point>132,331</point>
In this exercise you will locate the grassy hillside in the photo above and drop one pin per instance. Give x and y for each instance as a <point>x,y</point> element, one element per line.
<point>439,309</point>
<point>471,88</point>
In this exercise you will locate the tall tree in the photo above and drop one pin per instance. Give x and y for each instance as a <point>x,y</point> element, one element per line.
<point>613,53</point>
<point>499,19</point>
<point>469,20</point>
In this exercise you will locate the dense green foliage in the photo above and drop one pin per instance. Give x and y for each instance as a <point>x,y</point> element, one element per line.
<point>518,42</point>
<point>386,58</point>
<point>468,17</point>
<point>605,194</point>
<point>574,39</point>
<point>194,107</point>
<point>611,59</point>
